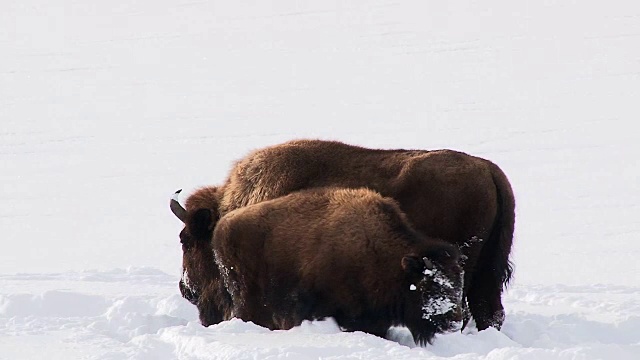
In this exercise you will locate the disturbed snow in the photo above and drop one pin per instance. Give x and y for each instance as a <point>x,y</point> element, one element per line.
<point>137,313</point>
<point>106,108</point>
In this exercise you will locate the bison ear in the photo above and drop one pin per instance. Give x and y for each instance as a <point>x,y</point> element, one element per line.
<point>412,264</point>
<point>202,222</point>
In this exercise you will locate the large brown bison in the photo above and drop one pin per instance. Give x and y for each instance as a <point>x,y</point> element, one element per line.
<point>201,283</point>
<point>462,199</point>
<point>349,254</point>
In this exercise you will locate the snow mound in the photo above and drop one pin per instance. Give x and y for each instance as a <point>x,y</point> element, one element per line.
<point>584,322</point>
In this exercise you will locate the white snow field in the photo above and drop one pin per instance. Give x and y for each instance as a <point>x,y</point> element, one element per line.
<point>108,107</point>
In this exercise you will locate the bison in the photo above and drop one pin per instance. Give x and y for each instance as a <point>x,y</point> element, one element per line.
<point>462,199</point>
<point>349,254</point>
<point>201,283</point>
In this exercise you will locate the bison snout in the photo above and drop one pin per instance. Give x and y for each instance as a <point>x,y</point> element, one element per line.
<point>187,293</point>
<point>455,326</point>
<point>456,320</point>
<point>453,320</point>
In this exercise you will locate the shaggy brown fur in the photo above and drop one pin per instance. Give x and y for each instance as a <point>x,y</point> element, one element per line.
<point>462,199</point>
<point>201,282</point>
<point>343,253</point>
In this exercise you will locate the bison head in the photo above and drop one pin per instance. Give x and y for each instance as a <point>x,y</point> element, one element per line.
<point>199,218</point>
<point>434,294</point>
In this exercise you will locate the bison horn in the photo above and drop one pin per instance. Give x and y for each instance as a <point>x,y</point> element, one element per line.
<point>176,208</point>
<point>428,263</point>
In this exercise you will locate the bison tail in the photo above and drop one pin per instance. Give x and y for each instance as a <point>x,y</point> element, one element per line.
<point>498,249</point>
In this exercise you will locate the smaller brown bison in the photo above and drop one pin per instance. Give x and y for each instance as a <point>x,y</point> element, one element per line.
<point>349,254</point>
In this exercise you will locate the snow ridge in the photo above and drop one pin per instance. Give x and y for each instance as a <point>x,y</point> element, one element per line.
<point>135,322</point>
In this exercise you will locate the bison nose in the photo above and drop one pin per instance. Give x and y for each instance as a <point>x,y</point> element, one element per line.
<point>456,326</point>
<point>186,293</point>
<point>456,319</point>
<point>182,287</point>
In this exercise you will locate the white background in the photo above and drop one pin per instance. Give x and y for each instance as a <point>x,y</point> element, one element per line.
<point>108,107</point>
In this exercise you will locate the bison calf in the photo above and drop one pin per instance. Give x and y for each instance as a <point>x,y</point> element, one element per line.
<point>349,254</point>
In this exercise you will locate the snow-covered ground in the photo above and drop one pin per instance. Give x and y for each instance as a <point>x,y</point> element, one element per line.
<point>108,107</point>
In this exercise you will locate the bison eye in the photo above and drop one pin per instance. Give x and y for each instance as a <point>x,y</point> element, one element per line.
<point>184,238</point>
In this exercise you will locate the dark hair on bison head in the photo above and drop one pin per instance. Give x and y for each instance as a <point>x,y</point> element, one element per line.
<point>199,270</point>
<point>434,297</point>
<point>196,253</point>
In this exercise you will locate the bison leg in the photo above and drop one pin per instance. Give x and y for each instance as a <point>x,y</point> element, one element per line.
<point>466,315</point>
<point>250,304</point>
<point>484,298</point>
<point>210,311</point>
<point>369,322</point>
<point>214,304</point>
<point>373,329</point>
